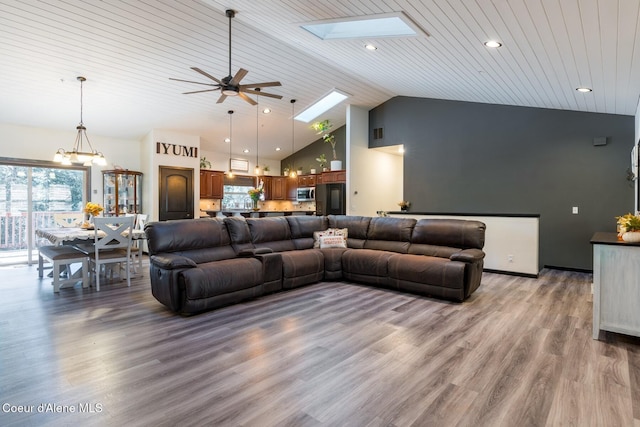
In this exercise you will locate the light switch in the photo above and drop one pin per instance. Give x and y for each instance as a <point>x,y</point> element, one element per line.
<point>574,210</point>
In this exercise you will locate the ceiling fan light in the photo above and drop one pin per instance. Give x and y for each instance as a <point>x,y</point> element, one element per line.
<point>230,92</point>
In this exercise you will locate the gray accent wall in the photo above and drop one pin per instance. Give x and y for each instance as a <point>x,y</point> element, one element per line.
<point>306,157</point>
<point>464,157</point>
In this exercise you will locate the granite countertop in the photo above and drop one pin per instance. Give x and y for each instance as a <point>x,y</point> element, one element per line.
<point>249,211</point>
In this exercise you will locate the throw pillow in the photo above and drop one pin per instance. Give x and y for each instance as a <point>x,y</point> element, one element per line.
<point>333,242</point>
<point>328,232</point>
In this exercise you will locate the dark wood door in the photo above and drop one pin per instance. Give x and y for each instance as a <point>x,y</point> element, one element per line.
<point>176,193</point>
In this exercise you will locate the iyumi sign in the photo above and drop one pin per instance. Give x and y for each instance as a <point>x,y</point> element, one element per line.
<point>176,150</point>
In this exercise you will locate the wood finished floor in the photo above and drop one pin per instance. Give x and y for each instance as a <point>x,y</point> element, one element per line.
<point>518,352</point>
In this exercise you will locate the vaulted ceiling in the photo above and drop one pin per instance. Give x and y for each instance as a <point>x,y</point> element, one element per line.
<point>129,49</point>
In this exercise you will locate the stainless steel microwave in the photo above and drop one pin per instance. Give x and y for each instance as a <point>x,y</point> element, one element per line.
<point>306,194</point>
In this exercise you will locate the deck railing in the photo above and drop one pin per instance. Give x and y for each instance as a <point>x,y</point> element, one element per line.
<point>13,228</point>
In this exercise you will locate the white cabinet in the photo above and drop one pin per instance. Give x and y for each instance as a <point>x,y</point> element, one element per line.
<point>616,285</point>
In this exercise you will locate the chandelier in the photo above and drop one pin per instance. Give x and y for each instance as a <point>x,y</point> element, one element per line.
<point>77,155</point>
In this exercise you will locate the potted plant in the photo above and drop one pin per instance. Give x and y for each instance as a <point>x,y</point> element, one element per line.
<point>204,163</point>
<point>322,160</point>
<point>404,205</point>
<point>629,227</point>
<point>323,128</point>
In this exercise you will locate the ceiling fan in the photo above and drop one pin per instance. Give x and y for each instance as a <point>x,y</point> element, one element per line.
<point>230,85</point>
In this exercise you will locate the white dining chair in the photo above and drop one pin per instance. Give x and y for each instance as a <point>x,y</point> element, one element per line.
<point>137,246</point>
<point>70,219</point>
<point>112,244</point>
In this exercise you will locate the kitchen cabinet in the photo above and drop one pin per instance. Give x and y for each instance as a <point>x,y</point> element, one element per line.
<point>275,188</point>
<point>307,181</point>
<point>211,184</point>
<point>332,177</point>
<point>291,186</point>
<point>122,190</point>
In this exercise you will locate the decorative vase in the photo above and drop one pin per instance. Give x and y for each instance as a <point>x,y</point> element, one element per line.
<point>255,207</point>
<point>312,171</point>
<point>336,165</point>
<point>631,237</point>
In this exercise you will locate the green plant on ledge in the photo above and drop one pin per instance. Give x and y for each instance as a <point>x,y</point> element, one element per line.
<point>323,128</point>
<point>322,160</point>
<point>204,163</point>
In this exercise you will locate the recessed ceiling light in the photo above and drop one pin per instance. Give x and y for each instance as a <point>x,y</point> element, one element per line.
<point>370,47</point>
<point>246,150</point>
<point>266,110</point>
<point>327,102</point>
<point>277,148</point>
<point>227,140</point>
<point>584,89</point>
<point>492,43</point>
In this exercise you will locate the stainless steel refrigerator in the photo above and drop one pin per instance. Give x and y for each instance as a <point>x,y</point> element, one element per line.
<point>331,199</point>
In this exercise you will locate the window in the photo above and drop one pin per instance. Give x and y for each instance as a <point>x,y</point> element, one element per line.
<point>30,193</point>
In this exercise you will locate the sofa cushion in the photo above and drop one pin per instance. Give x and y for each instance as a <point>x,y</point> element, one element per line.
<point>272,232</point>
<point>303,228</point>
<point>201,240</point>
<point>239,233</point>
<point>221,277</point>
<point>357,226</point>
<point>366,265</point>
<point>428,270</point>
<point>390,234</point>
<point>333,263</point>
<point>301,267</point>
<point>452,233</point>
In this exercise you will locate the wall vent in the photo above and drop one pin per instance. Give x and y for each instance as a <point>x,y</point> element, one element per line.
<point>377,133</point>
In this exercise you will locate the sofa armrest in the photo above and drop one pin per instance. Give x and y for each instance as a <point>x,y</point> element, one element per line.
<point>468,255</point>
<point>254,251</point>
<point>169,261</point>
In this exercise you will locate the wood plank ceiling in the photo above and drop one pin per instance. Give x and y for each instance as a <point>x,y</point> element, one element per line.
<point>128,49</point>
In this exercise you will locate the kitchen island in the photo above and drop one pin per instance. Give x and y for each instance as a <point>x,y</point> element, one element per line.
<point>254,214</point>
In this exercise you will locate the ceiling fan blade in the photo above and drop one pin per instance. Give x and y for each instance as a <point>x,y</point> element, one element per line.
<point>204,73</point>
<point>221,99</point>
<point>265,84</point>
<point>246,98</point>
<point>200,91</point>
<point>255,92</point>
<point>189,81</point>
<point>239,76</point>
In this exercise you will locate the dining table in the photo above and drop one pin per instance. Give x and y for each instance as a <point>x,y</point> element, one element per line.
<point>74,235</point>
<point>66,235</point>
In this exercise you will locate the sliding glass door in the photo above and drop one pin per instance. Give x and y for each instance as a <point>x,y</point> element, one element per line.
<point>31,192</point>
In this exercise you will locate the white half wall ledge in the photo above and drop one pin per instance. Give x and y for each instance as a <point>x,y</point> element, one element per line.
<point>512,241</point>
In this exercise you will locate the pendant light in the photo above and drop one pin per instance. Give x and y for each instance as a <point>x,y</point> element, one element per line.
<point>77,155</point>
<point>230,172</point>
<point>292,172</point>
<point>257,169</point>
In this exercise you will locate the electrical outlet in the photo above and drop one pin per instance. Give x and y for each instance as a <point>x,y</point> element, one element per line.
<point>574,210</point>
<point>510,258</point>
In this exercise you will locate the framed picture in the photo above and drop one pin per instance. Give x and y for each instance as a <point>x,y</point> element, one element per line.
<point>239,165</point>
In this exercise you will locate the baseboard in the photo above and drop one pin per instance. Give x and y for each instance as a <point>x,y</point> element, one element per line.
<point>577,270</point>
<point>511,273</point>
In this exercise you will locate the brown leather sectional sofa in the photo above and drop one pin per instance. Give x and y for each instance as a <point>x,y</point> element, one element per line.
<point>202,264</point>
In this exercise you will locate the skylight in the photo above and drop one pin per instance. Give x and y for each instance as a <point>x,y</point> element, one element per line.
<point>372,26</point>
<point>327,102</point>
